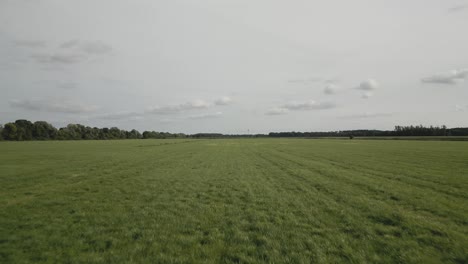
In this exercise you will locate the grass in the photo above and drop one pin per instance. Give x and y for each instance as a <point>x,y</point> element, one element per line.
<point>234,201</point>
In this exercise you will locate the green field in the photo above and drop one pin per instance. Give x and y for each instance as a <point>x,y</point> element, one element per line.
<point>234,201</point>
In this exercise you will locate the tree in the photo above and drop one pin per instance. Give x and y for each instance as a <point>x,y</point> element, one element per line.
<point>9,132</point>
<point>134,134</point>
<point>24,129</point>
<point>42,130</point>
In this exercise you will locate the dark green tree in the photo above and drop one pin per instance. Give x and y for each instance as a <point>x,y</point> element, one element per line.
<point>24,129</point>
<point>9,131</point>
<point>42,130</point>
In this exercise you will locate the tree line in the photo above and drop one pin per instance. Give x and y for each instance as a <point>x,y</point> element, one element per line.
<point>397,132</point>
<point>22,130</point>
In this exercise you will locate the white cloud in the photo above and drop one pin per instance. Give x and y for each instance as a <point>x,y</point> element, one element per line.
<point>277,111</point>
<point>368,85</point>
<point>188,106</point>
<point>451,77</point>
<point>308,105</point>
<point>173,109</point>
<point>300,106</point>
<point>53,105</point>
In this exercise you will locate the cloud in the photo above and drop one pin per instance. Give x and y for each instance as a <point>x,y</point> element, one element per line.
<point>58,58</point>
<point>277,111</point>
<point>330,89</point>
<point>67,85</point>
<point>300,106</point>
<point>368,85</point>
<point>451,77</point>
<point>223,101</point>
<point>95,47</point>
<point>206,116</point>
<point>53,105</point>
<point>30,43</point>
<point>88,47</point>
<point>173,109</point>
<point>365,115</point>
<point>367,95</point>
<point>123,115</point>
<point>461,108</point>
<point>457,8</point>
<point>69,44</point>
<point>308,105</point>
<point>188,106</point>
<point>73,51</point>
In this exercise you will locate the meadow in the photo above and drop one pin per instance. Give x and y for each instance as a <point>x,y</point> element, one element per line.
<point>234,201</point>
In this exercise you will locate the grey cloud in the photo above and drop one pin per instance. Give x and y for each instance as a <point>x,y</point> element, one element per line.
<point>366,115</point>
<point>52,105</point>
<point>368,85</point>
<point>69,44</point>
<point>67,85</point>
<point>330,89</point>
<point>124,115</point>
<point>451,77</point>
<point>95,47</point>
<point>461,108</point>
<point>367,95</point>
<point>457,8</point>
<point>60,58</point>
<point>206,116</point>
<point>89,47</point>
<point>72,52</point>
<point>223,101</point>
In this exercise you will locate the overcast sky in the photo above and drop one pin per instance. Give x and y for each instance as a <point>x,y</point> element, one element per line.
<point>235,66</point>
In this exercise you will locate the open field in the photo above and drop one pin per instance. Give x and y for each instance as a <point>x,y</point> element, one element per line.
<point>449,138</point>
<point>234,201</point>
<point>431,138</point>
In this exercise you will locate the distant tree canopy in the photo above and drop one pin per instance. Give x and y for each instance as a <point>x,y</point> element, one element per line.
<point>398,131</point>
<point>22,130</point>
<point>162,135</point>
